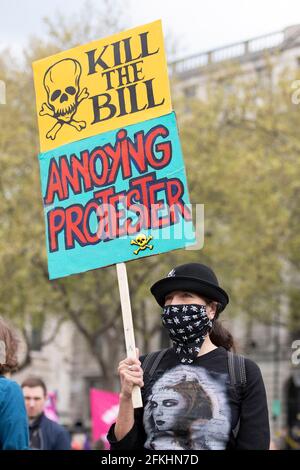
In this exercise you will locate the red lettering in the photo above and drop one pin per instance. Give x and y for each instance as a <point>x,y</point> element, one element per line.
<point>133,196</point>
<point>116,214</point>
<point>91,207</point>
<point>70,173</point>
<point>74,216</point>
<point>138,153</point>
<point>165,148</point>
<point>115,154</point>
<point>175,191</point>
<point>104,209</point>
<point>156,206</point>
<point>81,167</point>
<point>98,153</point>
<point>142,219</point>
<point>142,184</point>
<point>54,186</point>
<point>126,167</point>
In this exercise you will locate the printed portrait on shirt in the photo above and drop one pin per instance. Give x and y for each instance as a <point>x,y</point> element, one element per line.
<point>187,408</point>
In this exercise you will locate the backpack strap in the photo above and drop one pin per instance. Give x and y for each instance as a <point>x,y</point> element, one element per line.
<point>237,369</point>
<point>238,379</point>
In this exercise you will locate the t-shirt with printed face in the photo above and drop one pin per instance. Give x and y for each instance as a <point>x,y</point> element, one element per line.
<point>194,407</point>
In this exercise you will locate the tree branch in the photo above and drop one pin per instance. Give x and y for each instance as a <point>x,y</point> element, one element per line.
<point>27,359</point>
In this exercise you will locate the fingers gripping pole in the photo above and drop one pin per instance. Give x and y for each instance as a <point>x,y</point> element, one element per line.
<point>128,326</point>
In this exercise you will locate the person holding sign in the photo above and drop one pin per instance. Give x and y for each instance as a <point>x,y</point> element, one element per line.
<point>197,394</point>
<point>14,434</point>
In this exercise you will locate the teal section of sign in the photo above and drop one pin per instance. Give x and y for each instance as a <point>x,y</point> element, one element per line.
<point>77,234</point>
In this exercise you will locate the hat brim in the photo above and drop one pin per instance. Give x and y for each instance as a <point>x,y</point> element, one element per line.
<point>203,288</point>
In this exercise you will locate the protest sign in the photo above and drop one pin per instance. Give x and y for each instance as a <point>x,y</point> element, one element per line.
<point>112,173</point>
<point>115,197</point>
<point>100,86</point>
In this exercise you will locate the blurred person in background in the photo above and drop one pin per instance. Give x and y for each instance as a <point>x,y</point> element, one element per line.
<point>80,439</point>
<point>45,434</point>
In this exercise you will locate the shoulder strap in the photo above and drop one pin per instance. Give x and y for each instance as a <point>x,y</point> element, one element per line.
<point>238,379</point>
<point>151,362</point>
<point>237,369</point>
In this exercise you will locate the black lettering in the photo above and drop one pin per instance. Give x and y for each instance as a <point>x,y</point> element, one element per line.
<point>117,53</point>
<point>97,107</point>
<point>123,111</point>
<point>128,53</point>
<point>123,72</point>
<point>137,71</point>
<point>133,99</point>
<point>150,95</point>
<point>144,45</point>
<point>108,79</point>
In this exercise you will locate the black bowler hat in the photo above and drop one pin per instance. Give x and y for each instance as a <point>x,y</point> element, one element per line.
<point>193,277</point>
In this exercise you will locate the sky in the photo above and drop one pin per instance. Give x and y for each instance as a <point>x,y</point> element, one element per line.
<point>197,25</point>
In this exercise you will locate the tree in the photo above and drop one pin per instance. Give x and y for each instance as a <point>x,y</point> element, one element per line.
<point>90,301</point>
<point>26,295</point>
<point>241,146</point>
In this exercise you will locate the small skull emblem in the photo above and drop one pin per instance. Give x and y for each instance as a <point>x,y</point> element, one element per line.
<point>61,82</point>
<point>142,242</point>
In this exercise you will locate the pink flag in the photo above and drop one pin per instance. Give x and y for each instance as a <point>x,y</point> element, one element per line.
<point>104,410</point>
<point>50,408</point>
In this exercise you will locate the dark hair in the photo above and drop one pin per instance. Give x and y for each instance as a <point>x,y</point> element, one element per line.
<point>219,335</point>
<point>34,382</point>
<point>198,402</point>
<point>8,337</point>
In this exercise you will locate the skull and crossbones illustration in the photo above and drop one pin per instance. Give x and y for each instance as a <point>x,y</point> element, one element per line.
<point>61,82</point>
<point>142,242</point>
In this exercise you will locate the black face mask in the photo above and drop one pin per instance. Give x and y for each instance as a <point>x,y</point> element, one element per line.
<point>188,325</point>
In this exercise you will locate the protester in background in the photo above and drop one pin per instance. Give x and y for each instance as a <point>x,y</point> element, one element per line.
<point>44,433</point>
<point>80,439</point>
<point>13,418</point>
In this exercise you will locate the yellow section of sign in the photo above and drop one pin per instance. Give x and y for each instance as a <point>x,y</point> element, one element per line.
<point>103,85</point>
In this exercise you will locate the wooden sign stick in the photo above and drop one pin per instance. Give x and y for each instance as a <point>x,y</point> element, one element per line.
<point>128,326</point>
